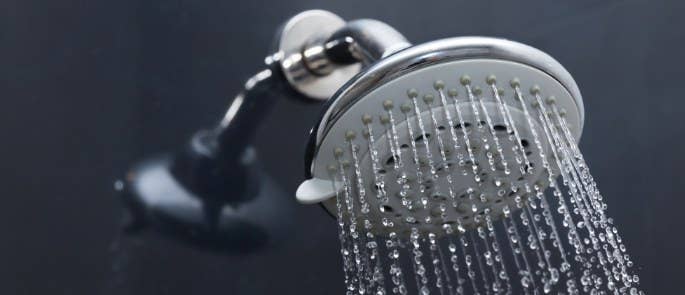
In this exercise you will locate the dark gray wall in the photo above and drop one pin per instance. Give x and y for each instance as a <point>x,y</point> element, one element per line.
<point>87,87</point>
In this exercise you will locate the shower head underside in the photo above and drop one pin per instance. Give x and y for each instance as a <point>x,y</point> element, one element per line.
<point>438,132</point>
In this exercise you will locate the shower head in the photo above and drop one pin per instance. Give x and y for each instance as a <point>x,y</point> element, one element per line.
<point>455,142</point>
<point>414,95</point>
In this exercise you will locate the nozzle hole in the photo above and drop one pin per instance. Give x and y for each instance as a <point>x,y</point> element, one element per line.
<point>525,143</point>
<point>459,127</point>
<point>390,161</point>
<point>387,209</point>
<point>440,197</point>
<point>422,137</point>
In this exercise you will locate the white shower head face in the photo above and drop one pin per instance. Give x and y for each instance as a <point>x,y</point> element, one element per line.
<point>437,145</point>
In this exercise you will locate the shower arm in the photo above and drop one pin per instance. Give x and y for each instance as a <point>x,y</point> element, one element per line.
<point>360,41</point>
<point>311,71</point>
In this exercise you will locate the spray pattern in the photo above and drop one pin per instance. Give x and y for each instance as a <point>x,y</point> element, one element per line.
<point>473,190</point>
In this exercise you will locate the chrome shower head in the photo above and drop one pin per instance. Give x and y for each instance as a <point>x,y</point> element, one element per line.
<point>454,142</point>
<point>432,99</point>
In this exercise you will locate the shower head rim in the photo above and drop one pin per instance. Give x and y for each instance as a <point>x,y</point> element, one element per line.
<point>428,54</point>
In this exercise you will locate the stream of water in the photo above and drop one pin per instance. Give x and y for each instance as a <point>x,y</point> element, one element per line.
<point>550,235</point>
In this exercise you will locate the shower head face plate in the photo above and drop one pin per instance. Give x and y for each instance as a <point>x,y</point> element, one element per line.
<point>433,197</point>
<point>449,194</point>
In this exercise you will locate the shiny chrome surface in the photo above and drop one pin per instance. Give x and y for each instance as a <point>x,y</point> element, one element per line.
<point>315,59</point>
<point>308,29</point>
<point>432,53</point>
<point>319,52</point>
<point>371,40</point>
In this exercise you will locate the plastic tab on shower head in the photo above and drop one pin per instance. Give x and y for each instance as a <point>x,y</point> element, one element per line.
<point>316,190</point>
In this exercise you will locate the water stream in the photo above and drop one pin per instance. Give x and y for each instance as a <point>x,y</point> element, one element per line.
<point>530,221</point>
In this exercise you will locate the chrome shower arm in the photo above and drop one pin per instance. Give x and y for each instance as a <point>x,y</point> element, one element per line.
<point>223,152</point>
<point>367,40</point>
<point>319,52</point>
<point>249,108</point>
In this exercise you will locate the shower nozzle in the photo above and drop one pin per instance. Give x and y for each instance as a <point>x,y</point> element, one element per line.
<point>420,96</point>
<point>457,144</point>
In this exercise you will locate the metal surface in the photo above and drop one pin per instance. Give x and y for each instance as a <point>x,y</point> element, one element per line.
<point>248,109</point>
<point>372,40</point>
<point>305,29</point>
<point>319,52</point>
<point>431,53</point>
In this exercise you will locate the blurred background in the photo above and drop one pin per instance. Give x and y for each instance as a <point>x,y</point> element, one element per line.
<point>90,87</point>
